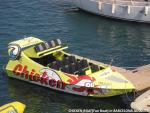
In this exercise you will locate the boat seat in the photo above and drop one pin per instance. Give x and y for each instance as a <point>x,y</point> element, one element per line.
<point>70,65</point>
<point>59,63</point>
<point>57,42</point>
<point>80,72</point>
<point>94,68</point>
<point>65,69</point>
<point>54,43</point>
<point>72,68</point>
<point>46,45</point>
<point>40,47</point>
<point>84,63</point>
<point>65,61</point>
<point>78,65</point>
<point>54,65</point>
<point>51,43</point>
<point>72,59</point>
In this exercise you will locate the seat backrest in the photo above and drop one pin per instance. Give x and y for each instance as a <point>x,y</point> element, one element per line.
<point>72,59</point>
<point>57,42</point>
<point>47,45</point>
<point>65,69</point>
<point>94,68</point>
<point>84,63</point>
<point>54,43</point>
<point>40,47</point>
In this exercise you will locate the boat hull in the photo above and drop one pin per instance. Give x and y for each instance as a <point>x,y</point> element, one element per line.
<point>138,11</point>
<point>103,82</point>
<point>72,88</point>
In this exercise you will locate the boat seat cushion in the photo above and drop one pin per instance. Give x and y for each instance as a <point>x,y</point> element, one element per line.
<point>94,68</point>
<point>70,64</point>
<point>54,43</point>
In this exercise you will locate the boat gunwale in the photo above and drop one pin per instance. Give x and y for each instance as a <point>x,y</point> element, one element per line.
<point>125,3</point>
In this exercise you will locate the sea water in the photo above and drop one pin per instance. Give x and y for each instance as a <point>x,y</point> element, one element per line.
<point>120,43</point>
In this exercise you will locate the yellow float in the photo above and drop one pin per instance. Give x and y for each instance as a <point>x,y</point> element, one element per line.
<point>14,107</point>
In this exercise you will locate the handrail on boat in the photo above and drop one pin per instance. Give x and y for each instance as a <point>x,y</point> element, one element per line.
<point>127,2</point>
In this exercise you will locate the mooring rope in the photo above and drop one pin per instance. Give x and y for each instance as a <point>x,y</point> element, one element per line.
<point>134,96</point>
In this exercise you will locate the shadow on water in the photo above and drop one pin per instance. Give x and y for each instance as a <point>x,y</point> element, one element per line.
<point>110,39</point>
<point>36,98</point>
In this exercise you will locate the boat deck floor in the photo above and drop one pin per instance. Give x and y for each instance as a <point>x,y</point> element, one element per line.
<point>142,103</point>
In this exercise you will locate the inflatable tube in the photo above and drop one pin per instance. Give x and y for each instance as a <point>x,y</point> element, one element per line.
<point>14,107</point>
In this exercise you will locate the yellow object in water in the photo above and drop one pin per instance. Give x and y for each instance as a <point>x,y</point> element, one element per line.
<point>14,107</point>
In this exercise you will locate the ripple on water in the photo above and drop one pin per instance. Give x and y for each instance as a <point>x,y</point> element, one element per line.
<point>88,35</point>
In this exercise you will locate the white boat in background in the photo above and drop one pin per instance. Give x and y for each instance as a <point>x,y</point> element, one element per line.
<point>131,10</point>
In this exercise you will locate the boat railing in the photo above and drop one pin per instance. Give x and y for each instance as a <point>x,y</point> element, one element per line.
<point>127,2</point>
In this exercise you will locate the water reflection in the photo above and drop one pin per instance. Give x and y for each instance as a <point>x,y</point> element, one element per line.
<point>39,99</point>
<point>125,42</point>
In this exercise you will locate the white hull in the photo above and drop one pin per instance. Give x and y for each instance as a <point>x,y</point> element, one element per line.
<point>125,10</point>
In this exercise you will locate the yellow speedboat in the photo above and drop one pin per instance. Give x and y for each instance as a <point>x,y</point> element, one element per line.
<point>46,63</point>
<point>14,107</point>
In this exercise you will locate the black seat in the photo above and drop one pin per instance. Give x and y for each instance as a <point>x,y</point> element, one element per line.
<point>65,61</point>
<point>65,69</point>
<point>81,72</point>
<point>72,68</point>
<point>84,63</point>
<point>40,47</point>
<point>54,65</point>
<point>94,68</point>
<point>47,45</point>
<point>57,42</point>
<point>78,65</point>
<point>37,49</point>
<point>59,63</point>
<point>44,46</point>
<point>54,43</point>
<point>72,59</point>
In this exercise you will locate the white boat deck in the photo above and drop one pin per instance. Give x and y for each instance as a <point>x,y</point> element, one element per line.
<point>131,10</point>
<point>142,103</point>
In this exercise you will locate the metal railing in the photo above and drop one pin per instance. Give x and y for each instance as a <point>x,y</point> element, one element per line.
<point>127,2</point>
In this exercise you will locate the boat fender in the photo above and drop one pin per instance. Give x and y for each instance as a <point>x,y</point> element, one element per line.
<point>53,43</point>
<point>113,8</point>
<point>13,107</point>
<point>100,6</point>
<point>47,45</point>
<point>146,10</point>
<point>129,9</point>
<point>57,42</point>
<point>14,51</point>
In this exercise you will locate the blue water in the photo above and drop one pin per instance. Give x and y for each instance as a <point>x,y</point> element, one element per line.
<point>95,37</point>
